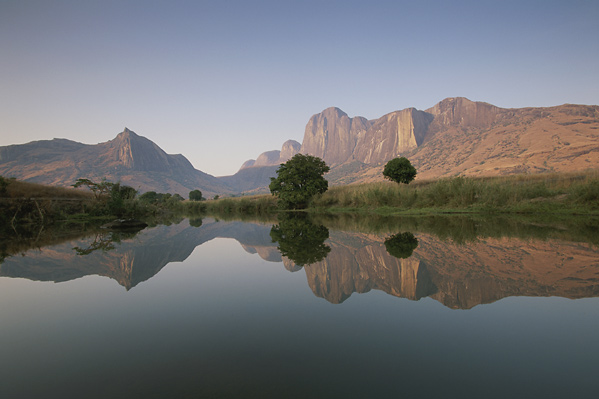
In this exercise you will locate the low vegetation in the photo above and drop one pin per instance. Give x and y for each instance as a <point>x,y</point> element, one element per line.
<point>540,193</point>
<point>23,203</point>
<point>251,205</point>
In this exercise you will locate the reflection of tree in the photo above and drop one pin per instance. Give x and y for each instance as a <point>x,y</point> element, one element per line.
<point>105,241</point>
<point>401,245</point>
<point>196,222</point>
<point>300,240</point>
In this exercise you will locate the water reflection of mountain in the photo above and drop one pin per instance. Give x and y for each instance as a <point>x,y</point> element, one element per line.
<point>132,260</point>
<point>459,276</point>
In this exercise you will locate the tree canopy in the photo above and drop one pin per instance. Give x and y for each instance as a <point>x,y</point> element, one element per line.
<point>399,170</point>
<point>298,180</point>
<point>195,195</point>
<point>99,189</point>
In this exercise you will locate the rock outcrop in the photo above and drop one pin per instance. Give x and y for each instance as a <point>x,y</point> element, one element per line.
<point>288,150</point>
<point>392,135</point>
<point>332,136</point>
<point>460,111</point>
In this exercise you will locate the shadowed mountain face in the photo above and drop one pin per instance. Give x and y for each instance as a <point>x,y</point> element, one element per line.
<point>131,159</point>
<point>457,275</point>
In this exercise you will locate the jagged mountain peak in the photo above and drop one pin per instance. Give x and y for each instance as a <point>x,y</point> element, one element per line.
<point>127,134</point>
<point>129,158</point>
<point>332,111</point>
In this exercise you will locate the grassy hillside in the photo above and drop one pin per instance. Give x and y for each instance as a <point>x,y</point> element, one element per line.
<point>16,189</point>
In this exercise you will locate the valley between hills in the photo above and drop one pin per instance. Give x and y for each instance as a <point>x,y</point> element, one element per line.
<point>454,137</point>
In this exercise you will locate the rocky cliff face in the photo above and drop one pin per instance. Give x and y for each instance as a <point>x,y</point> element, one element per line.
<point>392,135</point>
<point>463,112</point>
<point>458,137</point>
<point>332,136</point>
<point>288,150</point>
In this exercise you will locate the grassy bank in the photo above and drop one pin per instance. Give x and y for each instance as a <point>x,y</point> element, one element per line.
<point>542,193</point>
<point>23,203</point>
<point>551,194</point>
<point>250,205</point>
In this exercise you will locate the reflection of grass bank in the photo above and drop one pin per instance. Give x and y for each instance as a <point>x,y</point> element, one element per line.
<point>464,228</point>
<point>23,237</point>
<point>542,193</point>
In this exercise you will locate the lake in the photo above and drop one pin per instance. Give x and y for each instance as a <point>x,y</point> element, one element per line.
<point>304,307</point>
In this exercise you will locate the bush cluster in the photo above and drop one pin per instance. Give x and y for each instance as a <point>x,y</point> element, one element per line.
<point>256,205</point>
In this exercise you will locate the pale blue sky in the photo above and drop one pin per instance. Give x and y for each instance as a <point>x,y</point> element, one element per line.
<point>222,81</point>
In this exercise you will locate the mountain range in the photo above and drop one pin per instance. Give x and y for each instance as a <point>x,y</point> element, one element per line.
<point>455,137</point>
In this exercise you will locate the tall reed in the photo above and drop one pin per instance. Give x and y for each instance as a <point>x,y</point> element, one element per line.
<point>516,192</point>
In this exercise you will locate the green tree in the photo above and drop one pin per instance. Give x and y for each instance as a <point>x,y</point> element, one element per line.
<point>195,195</point>
<point>177,198</point>
<point>99,189</point>
<point>299,239</point>
<point>196,222</point>
<point>120,199</point>
<point>298,180</point>
<point>399,170</point>
<point>3,185</point>
<point>149,197</point>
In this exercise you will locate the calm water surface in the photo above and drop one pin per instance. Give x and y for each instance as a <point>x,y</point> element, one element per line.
<point>220,310</point>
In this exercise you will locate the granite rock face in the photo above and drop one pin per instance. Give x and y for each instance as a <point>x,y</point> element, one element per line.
<point>461,111</point>
<point>392,135</point>
<point>457,137</point>
<point>288,150</point>
<point>332,136</point>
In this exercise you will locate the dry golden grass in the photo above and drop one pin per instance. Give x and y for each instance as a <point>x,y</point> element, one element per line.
<point>19,189</point>
<point>573,189</point>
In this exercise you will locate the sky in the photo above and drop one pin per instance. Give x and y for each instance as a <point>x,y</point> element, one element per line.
<point>223,81</point>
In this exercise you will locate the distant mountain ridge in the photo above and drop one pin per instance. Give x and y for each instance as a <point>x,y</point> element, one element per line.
<point>454,137</point>
<point>129,158</point>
